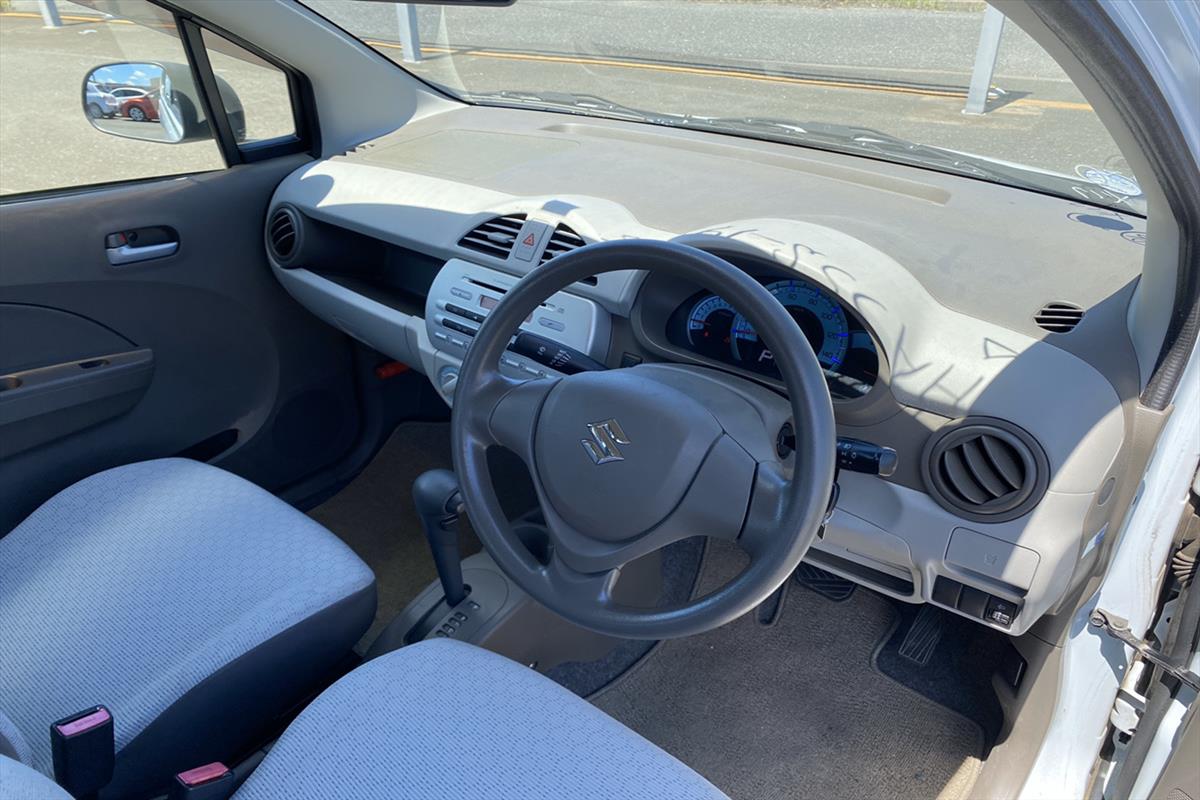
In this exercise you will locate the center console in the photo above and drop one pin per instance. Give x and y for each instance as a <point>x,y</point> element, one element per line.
<point>564,334</point>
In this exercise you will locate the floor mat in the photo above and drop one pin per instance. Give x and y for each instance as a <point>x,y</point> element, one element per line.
<point>680,565</point>
<point>374,514</point>
<point>950,660</point>
<point>796,709</point>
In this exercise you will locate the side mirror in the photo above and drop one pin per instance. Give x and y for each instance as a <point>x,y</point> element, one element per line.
<point>154,102</point>
<point>135,100</point>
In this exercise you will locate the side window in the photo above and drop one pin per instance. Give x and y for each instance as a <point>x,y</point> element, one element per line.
<point>93,99</point>
<point>255,93</point>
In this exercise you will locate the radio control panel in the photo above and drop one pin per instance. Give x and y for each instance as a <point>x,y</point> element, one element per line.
<point>462,296</point>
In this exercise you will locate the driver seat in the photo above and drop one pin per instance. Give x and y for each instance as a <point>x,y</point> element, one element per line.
<point>442,719</point>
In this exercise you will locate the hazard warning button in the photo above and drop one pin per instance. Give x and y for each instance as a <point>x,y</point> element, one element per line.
<point>529,240</point>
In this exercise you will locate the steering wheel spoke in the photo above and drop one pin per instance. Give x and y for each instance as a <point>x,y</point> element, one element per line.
<point>505,412</point>
<point>580,590</point>
<point>767,507</point>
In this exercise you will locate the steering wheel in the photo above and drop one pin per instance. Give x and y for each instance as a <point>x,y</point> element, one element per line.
<point>627,461</point>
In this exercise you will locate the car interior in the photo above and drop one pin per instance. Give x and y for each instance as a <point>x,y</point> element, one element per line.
<point>460,443</point>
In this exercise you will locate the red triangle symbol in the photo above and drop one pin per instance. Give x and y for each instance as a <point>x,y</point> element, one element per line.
<point>529,240</point>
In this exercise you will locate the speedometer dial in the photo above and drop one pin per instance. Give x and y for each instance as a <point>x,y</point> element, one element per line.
<point>820,318</point>
<point>709,326</point>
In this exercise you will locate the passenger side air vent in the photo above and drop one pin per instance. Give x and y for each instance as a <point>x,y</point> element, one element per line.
<point>563,240</point>
<point>283,234</point>
<point>495,237</point>
<point>1058,317</point>
<point>984,469</point>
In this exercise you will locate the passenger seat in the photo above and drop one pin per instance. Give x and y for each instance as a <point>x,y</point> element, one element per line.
<point>195,606</point>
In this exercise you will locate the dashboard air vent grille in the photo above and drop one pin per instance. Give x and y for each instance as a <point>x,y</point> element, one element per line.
<point>282,232</point>
<point>563,240</point>
<point>1058,317</point>
<point>985,469</point>
<point>495,237</point>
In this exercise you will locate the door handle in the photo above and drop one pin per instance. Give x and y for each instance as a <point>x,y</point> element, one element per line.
<point>143,244</point>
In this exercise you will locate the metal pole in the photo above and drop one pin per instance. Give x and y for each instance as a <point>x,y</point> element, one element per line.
<point>410,39</point>
<point>49,11</point>
<point>985,61</point>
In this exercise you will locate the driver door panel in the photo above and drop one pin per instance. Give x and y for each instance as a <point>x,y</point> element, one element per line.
<point>203,354</point>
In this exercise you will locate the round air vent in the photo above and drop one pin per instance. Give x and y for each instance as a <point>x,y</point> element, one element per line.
<point>283,233</point>
<point>1058,317</point>
<point>984,469</point>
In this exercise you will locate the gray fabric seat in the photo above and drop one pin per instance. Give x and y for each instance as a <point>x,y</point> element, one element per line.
<point>194,605</point>
<point>442,719</point>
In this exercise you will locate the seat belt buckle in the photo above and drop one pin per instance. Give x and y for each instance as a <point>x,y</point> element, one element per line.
<point>210,782</point>
<point>83,750</point>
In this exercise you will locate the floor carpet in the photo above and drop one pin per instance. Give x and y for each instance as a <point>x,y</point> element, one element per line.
<point>375,515</point>
<point>798,708</point>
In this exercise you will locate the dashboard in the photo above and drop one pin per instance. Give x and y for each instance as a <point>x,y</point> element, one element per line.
<point>1007,435</point>
<point>707,325</point>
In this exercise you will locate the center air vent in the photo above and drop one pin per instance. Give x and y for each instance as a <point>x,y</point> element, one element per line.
<point>283,234</point>
<point>985,469</point>
<point>495,237</point>
<point>563,240</point>
<point>1058,317</point>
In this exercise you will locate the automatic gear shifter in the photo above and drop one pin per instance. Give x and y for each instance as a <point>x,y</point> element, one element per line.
<point>439,504</point>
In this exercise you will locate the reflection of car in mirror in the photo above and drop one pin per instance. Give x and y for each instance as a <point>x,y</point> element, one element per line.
<point>98,103</point>
<point>119,98</point>
<point>140,108</point>
<point>125,92</point>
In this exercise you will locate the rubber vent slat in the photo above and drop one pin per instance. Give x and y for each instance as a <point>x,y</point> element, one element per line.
<point>1059,317</point>
<point>563,240</point>
<point>495,237</point>
<point>956,472</point>
<point>282,234</point>
<point>982,470</point>
<point>1005,462</point>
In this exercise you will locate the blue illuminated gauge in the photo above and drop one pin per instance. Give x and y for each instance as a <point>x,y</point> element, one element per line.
<point>819,316</point>
<point>710,326</point>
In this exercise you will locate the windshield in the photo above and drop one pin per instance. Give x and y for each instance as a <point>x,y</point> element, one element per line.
<point>887,79</point>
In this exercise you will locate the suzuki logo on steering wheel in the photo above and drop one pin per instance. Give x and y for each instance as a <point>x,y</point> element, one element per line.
<point>606,435</point>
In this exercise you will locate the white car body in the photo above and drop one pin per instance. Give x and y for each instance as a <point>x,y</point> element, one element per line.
<point>107,102</point>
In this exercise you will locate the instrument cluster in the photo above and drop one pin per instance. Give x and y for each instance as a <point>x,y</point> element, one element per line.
<point>709,326</point>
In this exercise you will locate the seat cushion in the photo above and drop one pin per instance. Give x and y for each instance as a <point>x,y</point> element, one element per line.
<point>442,719</point>
<point>189,601</point>
<point>19,782</point>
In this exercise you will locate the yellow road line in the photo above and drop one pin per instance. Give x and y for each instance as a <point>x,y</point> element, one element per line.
<point>1067,104</point>
<point>66,17</point>
<point>712,72</point>
<point>394,46</point>
<point>716,72</point>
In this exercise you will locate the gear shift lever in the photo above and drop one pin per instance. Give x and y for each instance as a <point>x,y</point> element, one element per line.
<point>439,504</point>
